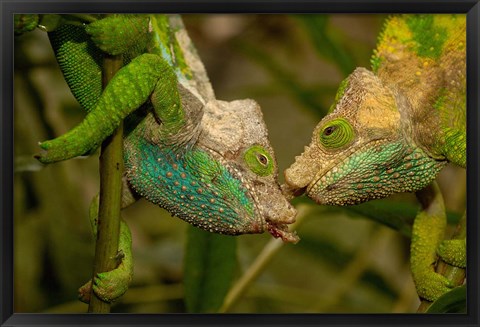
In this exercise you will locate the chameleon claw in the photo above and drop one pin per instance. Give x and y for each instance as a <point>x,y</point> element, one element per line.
<point>41,155</point>
<point>108,286</point>
<point>84,292</point>
<point>119,256</point>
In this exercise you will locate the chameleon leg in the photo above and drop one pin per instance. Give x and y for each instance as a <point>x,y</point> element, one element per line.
<point>428,231</point>
<point>456,146</point>
<point>119,34</point>
<point>127,91</point>
<point>80,61</point>
<point>110,285</point>
<point>24,23</point>
<point>454,252</point>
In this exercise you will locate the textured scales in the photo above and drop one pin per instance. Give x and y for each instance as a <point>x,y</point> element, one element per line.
<point>393,129</point>
<point>126,92</point>
<point>80,61</point>
<point>210,187</point>
<point>431,74</point>
<point>178,150</point>
<point>408,117</point>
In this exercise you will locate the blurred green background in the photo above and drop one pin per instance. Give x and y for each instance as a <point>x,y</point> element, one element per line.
<point>346,261</point>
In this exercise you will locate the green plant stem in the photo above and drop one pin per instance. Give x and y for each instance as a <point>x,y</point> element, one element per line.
<point>454,274</point>
<point>111,169</point>
<point>261,261</point>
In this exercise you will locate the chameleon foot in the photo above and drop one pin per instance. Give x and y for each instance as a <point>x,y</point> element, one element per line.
<point>84,292</point>
<point>430,285</point>
<point>453,252</point>
<point>108,286</point>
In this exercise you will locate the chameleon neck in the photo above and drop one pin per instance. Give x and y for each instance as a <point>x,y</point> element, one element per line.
<point>192,186</point>
<point>81,60</point>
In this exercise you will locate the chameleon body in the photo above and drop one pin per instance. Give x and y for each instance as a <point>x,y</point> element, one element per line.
<point>169,156</point>
<point>393,128</point>
<point>206,161</point>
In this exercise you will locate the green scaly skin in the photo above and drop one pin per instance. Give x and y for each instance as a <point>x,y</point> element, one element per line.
<point>206,161</point>
<point>392,129</point>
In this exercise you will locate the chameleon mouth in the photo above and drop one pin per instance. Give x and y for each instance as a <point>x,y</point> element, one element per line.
<point>292,192</point>
<point>281,231</point>
<point>257,221</point>
<point>277,226</point>
<point>273,222</point>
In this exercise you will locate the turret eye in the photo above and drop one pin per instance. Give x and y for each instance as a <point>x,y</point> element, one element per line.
<point>262,159</point>
<point>336,134</point>
<point>259,160</point>
<point>329,130</point>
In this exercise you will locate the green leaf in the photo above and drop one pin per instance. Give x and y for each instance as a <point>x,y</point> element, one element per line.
<point>454,301</point>
<point>396,214</point>
<point>210,262</point>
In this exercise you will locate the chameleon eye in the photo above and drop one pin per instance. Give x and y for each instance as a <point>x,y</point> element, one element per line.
<point>336,133</point>
<point>259,160</point>
<point>328,131</point>
<point>263,160</point>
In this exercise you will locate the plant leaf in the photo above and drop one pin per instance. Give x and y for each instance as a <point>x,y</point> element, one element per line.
<point>210,262</point>
<point>454,301</point>
<point>398,215</point>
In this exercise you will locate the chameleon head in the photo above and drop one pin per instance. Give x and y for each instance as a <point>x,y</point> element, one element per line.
<point>363,149</point>
<point>235,135</point>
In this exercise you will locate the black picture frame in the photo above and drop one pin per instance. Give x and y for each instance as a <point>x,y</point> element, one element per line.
<point>9,7</point>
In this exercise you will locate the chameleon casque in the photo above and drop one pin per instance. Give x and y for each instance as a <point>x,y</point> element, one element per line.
<point>392,129</point>
<point>206,161</point>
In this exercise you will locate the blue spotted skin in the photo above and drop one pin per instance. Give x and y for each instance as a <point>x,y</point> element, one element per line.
<point>158,95</point>
<point>174,156</point>
<point>191,186</point>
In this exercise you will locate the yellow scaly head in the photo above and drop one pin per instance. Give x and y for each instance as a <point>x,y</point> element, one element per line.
<point>362,149</point>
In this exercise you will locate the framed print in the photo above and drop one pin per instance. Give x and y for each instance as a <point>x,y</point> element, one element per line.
<point>244,163</point>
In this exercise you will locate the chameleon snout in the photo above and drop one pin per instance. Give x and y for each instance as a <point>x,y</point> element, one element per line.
<point>291,192</point>
<point>300,175</point>
<point>277,217</point>
<point>283,213</point>
<point>277,213</point>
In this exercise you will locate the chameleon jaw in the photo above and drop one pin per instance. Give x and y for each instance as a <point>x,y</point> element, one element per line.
<point>376,170</point>
<point>273,219</point>
<point>328,179</point>
<point>278,227</point>
<point>281,231</point>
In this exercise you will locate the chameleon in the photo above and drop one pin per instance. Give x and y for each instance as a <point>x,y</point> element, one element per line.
<point>206,161</point>
<point>392,129</point>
